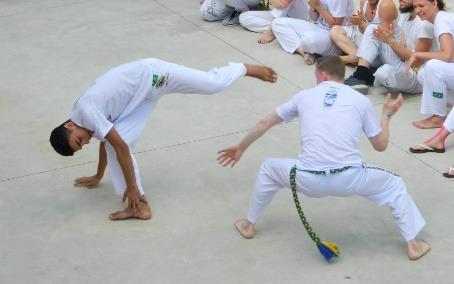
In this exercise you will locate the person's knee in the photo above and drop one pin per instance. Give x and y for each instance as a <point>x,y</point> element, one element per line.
<point>245,19</point>
<point>278,24</point>
<point>336,33</point>
<point>432,67</point>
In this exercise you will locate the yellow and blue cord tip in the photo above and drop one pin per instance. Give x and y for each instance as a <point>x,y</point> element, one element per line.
<point>328,250</point>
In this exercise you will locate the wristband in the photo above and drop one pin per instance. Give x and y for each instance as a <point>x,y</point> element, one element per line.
<point>388,114</point>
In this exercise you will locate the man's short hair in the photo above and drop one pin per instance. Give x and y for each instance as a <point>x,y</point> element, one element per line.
<point>59,139</point>
<point>332,65</point>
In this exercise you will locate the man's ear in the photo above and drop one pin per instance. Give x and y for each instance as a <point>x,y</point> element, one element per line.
<point>69,125</point>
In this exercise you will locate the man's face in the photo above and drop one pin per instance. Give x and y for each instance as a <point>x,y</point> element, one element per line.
<point>78,136</point>
<point>405,6</point>
<point>425,9</point>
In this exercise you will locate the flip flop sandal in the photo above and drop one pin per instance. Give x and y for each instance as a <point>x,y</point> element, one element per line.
<point>449,173</point>
<point>423,148</point>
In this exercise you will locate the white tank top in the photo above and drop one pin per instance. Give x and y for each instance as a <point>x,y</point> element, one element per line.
<point>376,19</point>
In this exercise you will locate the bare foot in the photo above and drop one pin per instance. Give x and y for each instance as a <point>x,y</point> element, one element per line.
<point>245,228</point>
<point>435,121</point>
<point>417,249</point>
<point>143,213</point>
<point>261,72</point>
<point>309,58</point>
<point>266,37</point>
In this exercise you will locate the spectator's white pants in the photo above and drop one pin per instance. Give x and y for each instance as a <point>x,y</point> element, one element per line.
<point>260,21</point>
<point>375,184</point>
<point>294,33</point>
<point>216,10</point>
<point>437,78</point>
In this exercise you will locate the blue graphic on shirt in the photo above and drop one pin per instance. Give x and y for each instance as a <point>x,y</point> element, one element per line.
<point>330,97</point>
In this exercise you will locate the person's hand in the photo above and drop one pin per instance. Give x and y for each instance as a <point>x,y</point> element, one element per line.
<point>384,35</point>
<point>356,19</point>
<point>229,156</point>
<point>409,63</point>
<point>390,107</point>
<point>87,181</point>
<point>133,197</point>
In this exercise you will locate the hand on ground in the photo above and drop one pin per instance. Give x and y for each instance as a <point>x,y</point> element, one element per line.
<point>87,181</point>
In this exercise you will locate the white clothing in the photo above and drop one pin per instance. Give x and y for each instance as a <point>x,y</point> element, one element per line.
<point>332,116</point>
<point>444,24</point>
<point>124,97</point>
<point>438,86</point>
<point>392,75</point>
<point>328,116</point>
<point>373,183</point>
<point>353,32</point>
<point>217,10</point>
<point>312,37</point>
<point>437,76</point>
<point>376,19</point>
<point>260,21</point>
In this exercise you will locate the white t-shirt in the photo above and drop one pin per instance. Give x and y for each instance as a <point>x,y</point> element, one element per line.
<point>444,24</point>
<point>338,9</point>
<point>112,96</point>
<point>416,29</point>
<point>332,117</point>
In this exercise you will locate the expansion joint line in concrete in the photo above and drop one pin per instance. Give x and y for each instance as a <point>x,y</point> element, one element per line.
<point>195,141</point>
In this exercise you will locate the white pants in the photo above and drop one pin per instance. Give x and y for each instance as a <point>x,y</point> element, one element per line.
<point>294,33</point>
<point>216,10</point>
<point>437,78</point>
<point>260,21</point>
<point>373,183</point>
<point>180,79</point>
<point>392,76</point>
<point>371,49</point>
<point>353,33</point>
<point>256,21</point>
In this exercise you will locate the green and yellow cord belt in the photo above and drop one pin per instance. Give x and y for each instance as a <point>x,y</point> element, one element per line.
<point>327,249</point>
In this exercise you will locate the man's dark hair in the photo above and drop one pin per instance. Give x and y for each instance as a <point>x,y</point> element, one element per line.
<point>408,9</point>
<point>59,139</point>
<point>332,65</point>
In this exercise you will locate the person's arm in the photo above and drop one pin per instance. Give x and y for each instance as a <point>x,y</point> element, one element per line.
<point>380,141</point>
<point>388,13</point>
<point>280,3</point>
<point>102,163</point>
<point>231,155</point>
<point>400,48</point>
<point>125,160</point>
<point>325,14</point>
<point>445,53</point>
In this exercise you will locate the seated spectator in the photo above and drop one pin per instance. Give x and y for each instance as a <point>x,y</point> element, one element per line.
<point>311,39</point>
<point>227,11</point>
<point>260,21</point>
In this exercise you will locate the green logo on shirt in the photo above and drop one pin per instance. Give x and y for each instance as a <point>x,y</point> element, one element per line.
<point>158,81</point>
<point>437,95</point>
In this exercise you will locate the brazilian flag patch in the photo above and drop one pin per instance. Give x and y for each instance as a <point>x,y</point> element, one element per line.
<point>437,95</point>
<point>159,81</point>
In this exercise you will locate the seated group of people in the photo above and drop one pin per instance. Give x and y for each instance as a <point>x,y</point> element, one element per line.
<point>410,52</point>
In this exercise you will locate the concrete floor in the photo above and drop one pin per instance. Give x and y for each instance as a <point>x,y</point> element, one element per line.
<point>52,233</point>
